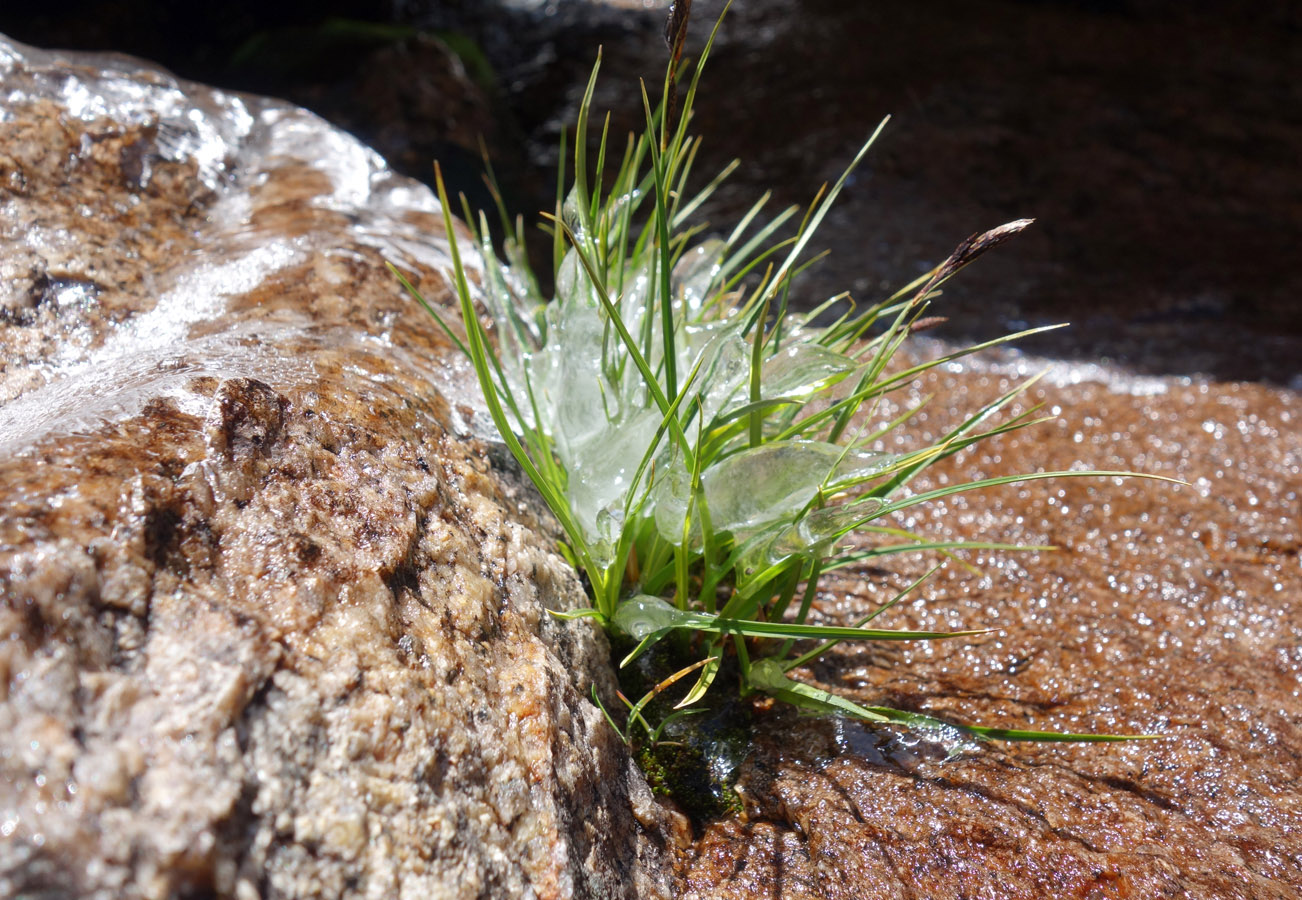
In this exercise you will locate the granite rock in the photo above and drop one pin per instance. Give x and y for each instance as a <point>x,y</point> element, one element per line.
<point>1165,609</point>
<point>273,608</point>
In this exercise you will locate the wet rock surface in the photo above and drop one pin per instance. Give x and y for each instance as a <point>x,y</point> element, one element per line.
<point>271,624</point>
<point>1165,609</point>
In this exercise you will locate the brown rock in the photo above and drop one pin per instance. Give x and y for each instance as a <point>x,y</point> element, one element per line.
<point>270,622</point>
<point>1171,610</point>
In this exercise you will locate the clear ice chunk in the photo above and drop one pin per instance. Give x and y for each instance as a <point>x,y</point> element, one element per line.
<point>800,370</point>
<point>765,485</point>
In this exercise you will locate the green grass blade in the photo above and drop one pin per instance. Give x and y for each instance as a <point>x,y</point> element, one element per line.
<point>793,631</point>
<point>479,356</point>
<point>581,153</point>
<point>767,675</point>
<point>923,546</point>
<point>664,302</point>
<point>828,645</point>
<point>609,721</point>
<point>558,243</point>
<point>950,490</point>
<point>681,215</point>
<point>429,308</point>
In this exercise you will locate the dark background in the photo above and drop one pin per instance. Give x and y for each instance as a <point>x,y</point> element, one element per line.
<point>1157,143</point>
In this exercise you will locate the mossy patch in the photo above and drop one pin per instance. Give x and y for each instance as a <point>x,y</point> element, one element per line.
<point>694,763</point>
<point>682,773</point>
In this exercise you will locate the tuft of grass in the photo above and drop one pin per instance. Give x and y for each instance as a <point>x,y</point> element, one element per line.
<point>701,443</point>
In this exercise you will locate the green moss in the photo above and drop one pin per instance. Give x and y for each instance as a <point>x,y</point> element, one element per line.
<point>681,772</point>
<point>695,761</point>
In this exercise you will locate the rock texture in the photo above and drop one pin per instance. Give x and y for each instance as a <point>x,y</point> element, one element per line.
<point>1165,609</point>
<point>272,620</point>
<point>1173,610</point>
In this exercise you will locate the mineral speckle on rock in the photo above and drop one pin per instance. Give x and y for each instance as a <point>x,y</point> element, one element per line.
<point>270,624</point>
<point>1165,609</point>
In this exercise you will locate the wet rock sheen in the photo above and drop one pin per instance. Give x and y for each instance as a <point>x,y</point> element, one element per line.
<point>1169,610</point>
<point>270,624</point>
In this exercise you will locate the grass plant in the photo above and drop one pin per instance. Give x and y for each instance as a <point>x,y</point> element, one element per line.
<point>700,441</point>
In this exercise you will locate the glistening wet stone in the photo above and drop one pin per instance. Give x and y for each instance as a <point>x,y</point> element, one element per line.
<point>1165,609</point>
<point>270,623</point>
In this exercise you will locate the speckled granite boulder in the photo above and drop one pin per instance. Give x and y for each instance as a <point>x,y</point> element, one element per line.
<point>272,620</point>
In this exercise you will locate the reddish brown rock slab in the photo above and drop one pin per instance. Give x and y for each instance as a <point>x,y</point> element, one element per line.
<point>271,622</point>
<point>1172,610</point>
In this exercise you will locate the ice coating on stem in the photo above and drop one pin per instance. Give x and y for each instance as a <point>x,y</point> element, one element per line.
<point>695,274</point>
<point>765,485</point>
<point>800,370</point>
